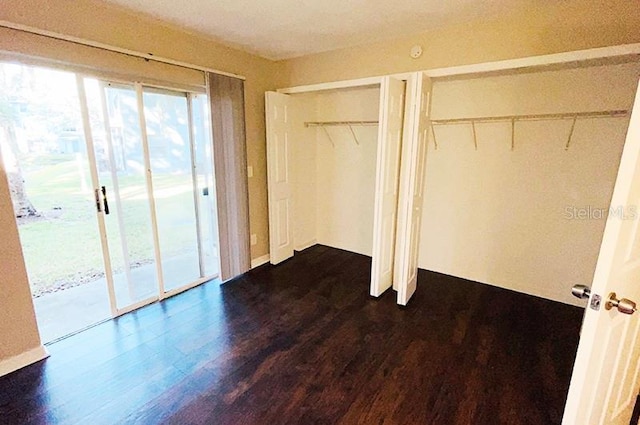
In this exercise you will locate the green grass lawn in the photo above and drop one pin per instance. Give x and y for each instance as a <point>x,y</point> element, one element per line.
<point>63,248</point>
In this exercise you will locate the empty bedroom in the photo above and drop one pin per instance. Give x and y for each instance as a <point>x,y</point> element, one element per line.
<point>283,212</point>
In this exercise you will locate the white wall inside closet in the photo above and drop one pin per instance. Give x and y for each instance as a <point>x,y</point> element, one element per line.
<point>502,216</point>
<point>334,173</point>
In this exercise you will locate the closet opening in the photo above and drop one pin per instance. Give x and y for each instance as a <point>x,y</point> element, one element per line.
<point>333,162</point>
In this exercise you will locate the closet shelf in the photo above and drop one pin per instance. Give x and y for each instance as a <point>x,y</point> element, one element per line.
<point>535,117</point>
<point>614,113</point>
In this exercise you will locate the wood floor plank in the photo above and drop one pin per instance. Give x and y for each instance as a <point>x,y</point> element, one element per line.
<point>303,342</point>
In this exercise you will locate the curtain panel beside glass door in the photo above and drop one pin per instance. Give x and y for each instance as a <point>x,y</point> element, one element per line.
<point>230,155</point>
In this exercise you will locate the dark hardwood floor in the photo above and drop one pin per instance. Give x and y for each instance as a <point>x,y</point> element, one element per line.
<point>303,343</point>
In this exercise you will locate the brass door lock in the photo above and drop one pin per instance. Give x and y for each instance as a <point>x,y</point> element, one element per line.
<point>624,305</point>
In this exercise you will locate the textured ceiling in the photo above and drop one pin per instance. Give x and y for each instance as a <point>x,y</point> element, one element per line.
<point>282,29</point>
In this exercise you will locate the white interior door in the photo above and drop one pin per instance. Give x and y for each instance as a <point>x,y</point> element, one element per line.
<point>604,384</point>
<point>413,163</point>
<point>386,196</point>
<point>279,177</point>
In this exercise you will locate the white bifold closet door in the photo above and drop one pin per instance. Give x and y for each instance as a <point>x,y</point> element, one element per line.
<point>413,163</point>
<point>386,195</point>
<point>279,177</point>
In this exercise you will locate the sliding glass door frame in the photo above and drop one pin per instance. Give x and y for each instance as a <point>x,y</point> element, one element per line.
<point>194,179</point>
<point>91,153</point>
<point>150,192</point>
<point>162,293</point>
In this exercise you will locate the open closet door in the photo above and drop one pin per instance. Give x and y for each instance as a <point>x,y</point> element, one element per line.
<point>413,163</point>
<point>606,374</point>
<point>386,195</point>
<point>279,177</point>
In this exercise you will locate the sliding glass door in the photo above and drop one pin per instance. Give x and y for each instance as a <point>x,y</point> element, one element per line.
<point>113,192</point>
<point>160,232</point>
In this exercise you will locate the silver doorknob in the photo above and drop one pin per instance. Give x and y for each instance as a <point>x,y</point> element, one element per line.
<point>580,291</point>
<point>624,305</point>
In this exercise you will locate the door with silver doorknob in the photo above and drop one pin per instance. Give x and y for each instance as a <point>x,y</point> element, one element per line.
<point>606,374</point>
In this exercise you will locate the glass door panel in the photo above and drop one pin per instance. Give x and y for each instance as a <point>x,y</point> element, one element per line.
<point>166,115</point>
<point>45,159</point>
<point>206,190</point>
<point>118,144</point>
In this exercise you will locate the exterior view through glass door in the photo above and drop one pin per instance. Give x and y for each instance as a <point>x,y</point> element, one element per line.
<point>112,185</point>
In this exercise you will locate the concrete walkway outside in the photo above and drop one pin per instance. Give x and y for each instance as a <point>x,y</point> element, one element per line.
<point>67,311</point>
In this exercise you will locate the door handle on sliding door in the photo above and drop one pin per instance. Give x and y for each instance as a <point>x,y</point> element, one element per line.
<point>98,204</point>
<point>104,200</point>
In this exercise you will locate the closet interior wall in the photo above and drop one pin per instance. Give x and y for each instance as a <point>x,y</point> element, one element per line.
<point>529,219</point>
<point>334,173</point>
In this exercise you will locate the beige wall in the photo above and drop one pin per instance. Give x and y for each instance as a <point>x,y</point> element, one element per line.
<point>346,171</point>
<point>18,331</point>
<point>551,27</point>
<point>95,21</point>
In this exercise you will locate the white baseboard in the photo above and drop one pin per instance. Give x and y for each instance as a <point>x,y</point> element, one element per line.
<point>306,245</point>
<point>260,261</point>
<point>257,262</point>
<point>21,360</point>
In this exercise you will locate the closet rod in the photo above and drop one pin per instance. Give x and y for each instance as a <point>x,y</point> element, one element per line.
<point>327,123</point>
<point>535,117</point>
